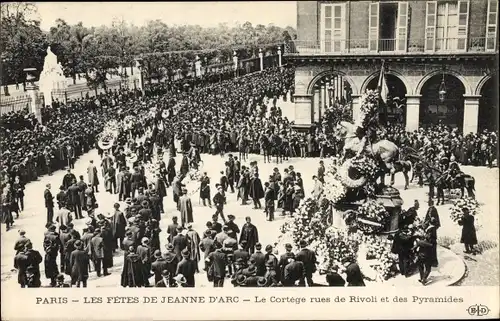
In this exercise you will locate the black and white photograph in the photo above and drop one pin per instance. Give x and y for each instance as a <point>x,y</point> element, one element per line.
<point>269,144</point>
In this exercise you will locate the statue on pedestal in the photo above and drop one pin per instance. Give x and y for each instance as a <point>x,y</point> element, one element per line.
<point>52,77</point>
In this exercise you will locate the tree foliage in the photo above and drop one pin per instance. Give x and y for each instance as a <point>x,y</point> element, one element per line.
<point>98,51</point>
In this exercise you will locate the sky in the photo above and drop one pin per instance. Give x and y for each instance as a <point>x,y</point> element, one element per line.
<point>280,13</point>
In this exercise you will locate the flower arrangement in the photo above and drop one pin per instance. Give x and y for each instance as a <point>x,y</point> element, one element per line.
<point>336,246</point>
<point>456,209</point>
<point>379,250</point>
<point>369,108</point>
<point>356,172</point>
<point>371,217</point>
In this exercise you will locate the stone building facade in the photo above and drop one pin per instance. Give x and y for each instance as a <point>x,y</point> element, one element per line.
<point>426,47</point>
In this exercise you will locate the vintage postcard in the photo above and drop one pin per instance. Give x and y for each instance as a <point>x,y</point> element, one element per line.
<point>299,146</point>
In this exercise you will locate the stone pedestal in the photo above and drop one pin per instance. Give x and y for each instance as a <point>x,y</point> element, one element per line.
<point>261,59</point>
<point>412,112</point>
<point>471,113</point>
<point>356,106</point>
<point>317,105</point>
<point>36,102</point>
<point>303,106</point>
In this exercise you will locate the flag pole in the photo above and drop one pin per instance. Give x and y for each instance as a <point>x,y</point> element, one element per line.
<point>381,79</point>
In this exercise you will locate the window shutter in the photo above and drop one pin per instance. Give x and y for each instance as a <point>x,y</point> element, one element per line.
<point>326,28</point>
<point>373,26</point>
<point>463,25</point>
<point>491,25</point>
<point>339,29</point>
<point>430,26</point>
<point>402,36</point>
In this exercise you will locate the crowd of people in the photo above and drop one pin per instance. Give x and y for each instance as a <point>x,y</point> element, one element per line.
<point>217,116</point>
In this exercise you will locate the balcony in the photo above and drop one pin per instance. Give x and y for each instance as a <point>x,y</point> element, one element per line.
<point>383,47</point>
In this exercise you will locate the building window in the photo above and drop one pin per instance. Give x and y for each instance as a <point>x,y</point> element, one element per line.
<point>491,25</point>
<point>333,27</point>
<point>447,25</point>
<point>388,26</point>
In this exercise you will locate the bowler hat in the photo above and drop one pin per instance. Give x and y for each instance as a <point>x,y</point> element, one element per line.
<point>170,247</point>
<point>241,279</point>
<point>261,281</point>
<point>185,253</point>
<point>180,278</point>
<point>165,273</point>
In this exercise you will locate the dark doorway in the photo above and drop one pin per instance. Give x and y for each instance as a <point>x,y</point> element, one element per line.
<point>450,111</point>
<point>488,106</point>
<point>394,110</point>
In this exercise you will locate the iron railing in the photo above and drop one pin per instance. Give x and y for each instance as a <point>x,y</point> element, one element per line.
<point>390,46</point>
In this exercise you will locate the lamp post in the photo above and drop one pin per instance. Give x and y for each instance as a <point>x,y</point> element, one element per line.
<point>32,89</point>
<point>5,61</point>
<point>442,89</point>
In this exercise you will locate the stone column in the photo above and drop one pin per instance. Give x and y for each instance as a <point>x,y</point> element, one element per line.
<point>261,59</point>
<point>471,113</point>
<point>324,99</point>
<point>303,105</point>
<point>317,106</point>
<point>356,106</point>
<point>32,89</point>
<point>412,112</point>
<point>279,56</point>
<point>140,77</point>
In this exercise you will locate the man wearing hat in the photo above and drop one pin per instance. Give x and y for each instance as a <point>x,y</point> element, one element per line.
<point>73,199</point>
<point>133,273</point>
<point>68,179</point>
<point>185,208</point>
<point>232,225</point>
<point>179,242</point>
<point>307,257</point>
<point>249,234</point>
<point>187,268</point>
<point>219,201</point>
<point>172,229</point>
<point>171,260</point>
<point>52,246</point>
<point>271,276</point>
<point>60,282</point>
<point>21,242</point>
<point>97,252</point>
<point>158,266</point>
<point>144,252</point>
<point>207,244</point>
<point>216,262</point>
<point>33,260</point>
<point>283,261</point>
<point>166,281</point>
<point>93,179</point>
<point>82,187</point>
<point>259,258</point>
<point>156,205</point>
<point>79,262</point>
<point>145,212</point>
<point>141,197</point>
<point>61,197</point>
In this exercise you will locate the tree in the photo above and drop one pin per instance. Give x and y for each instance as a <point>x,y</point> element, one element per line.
<point>22,42</point>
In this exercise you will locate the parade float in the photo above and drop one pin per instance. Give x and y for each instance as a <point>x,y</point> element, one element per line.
<point>357,213</point>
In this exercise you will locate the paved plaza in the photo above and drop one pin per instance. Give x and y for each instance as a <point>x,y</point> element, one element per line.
<point>451,268</point>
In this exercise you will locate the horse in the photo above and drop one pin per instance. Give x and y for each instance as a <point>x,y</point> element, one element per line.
<point>461,181</point>
<point>385,151</point>
<point>266,148</point>
<point>276,149</point>
<point>403,166</point>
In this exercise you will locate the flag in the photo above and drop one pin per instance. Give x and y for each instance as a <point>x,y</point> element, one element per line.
<point>382,85</point>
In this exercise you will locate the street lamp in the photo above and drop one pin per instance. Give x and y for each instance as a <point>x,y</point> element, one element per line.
<point>442,90</point>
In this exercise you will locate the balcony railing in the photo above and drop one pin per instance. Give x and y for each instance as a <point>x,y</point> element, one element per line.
<point>390,46</point>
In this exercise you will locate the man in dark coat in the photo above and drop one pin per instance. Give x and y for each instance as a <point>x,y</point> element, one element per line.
<point>354,277</point>
<point>260,260</point>
<point>172,229</point>
<point>186,208</point>
<point>283,261</point>
<point>401,246</point>
<point>216,262</point>
<point>269,201</point>
<point>179,242</point>
<point>171,262</point>
<point>33,260</point>
<point>256,191</point>
<point>62,197</point>
<point>118,226</point>
<point>333,278</point>
<point>81,193</point>
<point>97,251</point>
<point>219,201</point>
<point>144,252</point>
<point>231,225</point>
<point>205,190</point>
<point>74,199</point>
<point>249,234</point>
<point>52,246</point>
<point>432,218</point>
<point>184,164</point>
<point>468,236</point>
<point>133,274</point>
<point>187,267</point>
<point>68,179</point>
<point>294,271</point>
<point>79,262</point>
<point>49,204</point>
<point>158,266</point>
<point>423,249</point>
<point>307,257</point>
<point>156,205</point>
